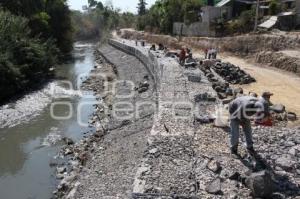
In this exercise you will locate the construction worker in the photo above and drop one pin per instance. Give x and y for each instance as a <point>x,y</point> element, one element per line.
<point>241,109</point>
<point>206,52</point>
<point>153,47</point>
<point>182,56</point>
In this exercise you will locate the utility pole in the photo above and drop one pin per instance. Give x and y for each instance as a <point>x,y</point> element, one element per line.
<point>256,16</point>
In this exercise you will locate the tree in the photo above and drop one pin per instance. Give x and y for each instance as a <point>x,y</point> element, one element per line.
<point>46,19</point>
<point>92,3</point>
<point>60,24</point>
<point>127,20</point>
<point>164,13</point>
<point>274,7</point>
<point>95,4</point>
<point>24,60</point>
<point>142,7</point>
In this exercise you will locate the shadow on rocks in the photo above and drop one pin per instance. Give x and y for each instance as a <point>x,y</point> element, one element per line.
<point>264,182</point>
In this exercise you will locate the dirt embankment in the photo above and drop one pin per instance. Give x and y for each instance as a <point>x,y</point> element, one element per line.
<point>269,49</point>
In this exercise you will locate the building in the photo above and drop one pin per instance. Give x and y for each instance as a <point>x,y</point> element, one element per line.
<point>297,11</point>
<point>227,9</point>
<point>209,16</point>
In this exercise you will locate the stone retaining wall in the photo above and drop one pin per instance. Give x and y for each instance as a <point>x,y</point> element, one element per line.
<point>174,123</point>
<point>279,60</point>
<point>146,57</point>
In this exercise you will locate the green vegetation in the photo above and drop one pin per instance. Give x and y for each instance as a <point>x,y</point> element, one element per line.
<point>142,7</point>
<point>24,60</point>
<point>242,24</point>
<point>161,16</point>
<point>274,7</point>
<point>99,20</point>
<point>34,36</point>
<point>164,13</point>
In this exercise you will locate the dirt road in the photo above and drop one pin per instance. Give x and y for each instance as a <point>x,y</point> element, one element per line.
<point>284,85</point>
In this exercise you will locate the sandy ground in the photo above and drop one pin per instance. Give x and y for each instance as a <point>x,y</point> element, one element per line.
<point>284,85</point>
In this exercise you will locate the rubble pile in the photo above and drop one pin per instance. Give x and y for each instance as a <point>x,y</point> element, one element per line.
<point>200,166</point>
<point>222,88</point>
<point>232,74</point>
<point>279,149</point>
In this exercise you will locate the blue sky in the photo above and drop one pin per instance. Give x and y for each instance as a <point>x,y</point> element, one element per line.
<point>125,5</point>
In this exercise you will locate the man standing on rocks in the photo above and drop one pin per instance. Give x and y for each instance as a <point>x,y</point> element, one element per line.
<point>241,109</point>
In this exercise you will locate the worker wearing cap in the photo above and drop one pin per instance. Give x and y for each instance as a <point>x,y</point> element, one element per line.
<point>241,110</point>
<point>263,116</point>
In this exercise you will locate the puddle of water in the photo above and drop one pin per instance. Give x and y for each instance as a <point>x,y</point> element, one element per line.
<point>30,138</point>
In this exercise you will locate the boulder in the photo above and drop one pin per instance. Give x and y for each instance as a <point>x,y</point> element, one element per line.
<point>291,116</point>
<point>204,119</point>
<point>285,162</point>
<point>278,108</point>
<point>214,187</point>
<point>214,166</point>
<point>209,75</point>
<point>144,84</point>
<point>261,184</point>
<point>143,89</point>
<point>204,97</point>
<point>222,96</point>
<point>194,78</point>
<point>68,141</point>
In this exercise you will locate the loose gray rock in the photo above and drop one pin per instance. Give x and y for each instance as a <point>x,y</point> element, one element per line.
<point>214,187</point>
<point>214,166</point>
<point>285,162</point>
<point>194,78</point>
<point>261,184</point>
<point>278,108</point>
<point>292,116</point>
<point>68,141</point>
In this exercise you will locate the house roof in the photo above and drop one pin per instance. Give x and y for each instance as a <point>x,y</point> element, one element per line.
<point>269,23</point>
<point>247,1</point>
<point>222,3</point>
<point>286,14</point>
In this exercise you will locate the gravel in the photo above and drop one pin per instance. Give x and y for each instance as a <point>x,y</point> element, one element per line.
<point>158,157</point>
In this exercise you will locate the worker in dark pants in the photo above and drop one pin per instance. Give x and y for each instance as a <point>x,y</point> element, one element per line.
<point>182,56</point>
<point>241,110</point>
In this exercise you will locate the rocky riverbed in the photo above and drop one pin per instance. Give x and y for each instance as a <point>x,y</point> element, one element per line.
<point>137,157</point>
<point>104,164</point>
